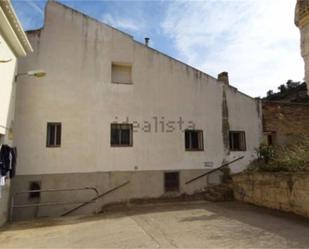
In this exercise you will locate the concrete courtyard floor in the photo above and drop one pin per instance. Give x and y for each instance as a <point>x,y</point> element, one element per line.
<point>173,225</point>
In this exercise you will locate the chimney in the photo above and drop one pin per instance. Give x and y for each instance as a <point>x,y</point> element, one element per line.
<point>147,41</point>
<point>224,77</point>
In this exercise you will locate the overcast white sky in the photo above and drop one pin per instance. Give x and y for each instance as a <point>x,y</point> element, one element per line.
<point>255,41</point>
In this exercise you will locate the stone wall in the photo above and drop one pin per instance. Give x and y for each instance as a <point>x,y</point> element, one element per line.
<point>286,121</point>
<point>283,191</point>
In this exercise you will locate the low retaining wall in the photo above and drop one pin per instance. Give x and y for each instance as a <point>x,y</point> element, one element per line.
<point>283,191</point>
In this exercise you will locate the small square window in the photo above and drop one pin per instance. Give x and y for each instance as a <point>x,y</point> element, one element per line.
<point>237,141</point>
<point>35,186</point>
<point>121,73</point>
<point>194,140</point>
<point>171,181</point>
<point>121,135</point>
<point>53,138</point>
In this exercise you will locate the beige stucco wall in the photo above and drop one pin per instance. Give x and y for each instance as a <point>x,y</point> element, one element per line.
<point>77,53</point>
<point>284,191</point>
<point>7,98</point>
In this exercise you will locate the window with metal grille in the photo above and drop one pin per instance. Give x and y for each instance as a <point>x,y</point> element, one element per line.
<point>194,140</point>
<point>237,141</point>
<point>171,181</point>
<point>121,135</point>
<point>53,138</point>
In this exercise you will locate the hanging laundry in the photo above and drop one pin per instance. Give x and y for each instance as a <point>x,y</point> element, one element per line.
<point>7,160</point>
<point>13,156</point>
<point>2,181</point>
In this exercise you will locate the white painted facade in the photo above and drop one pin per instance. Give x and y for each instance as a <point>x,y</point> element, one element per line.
<point>304,33</point>
<point>302,22</point>
<point>7,92</point>
<point>77,53</point>
<point>7,72</point>
<point>13,44</point>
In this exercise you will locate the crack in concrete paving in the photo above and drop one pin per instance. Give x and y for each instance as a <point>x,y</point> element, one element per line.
<point>154,232</point>
<point>146,232</point>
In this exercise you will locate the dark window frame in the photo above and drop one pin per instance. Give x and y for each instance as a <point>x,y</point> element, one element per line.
<point>168,188</point>
<point>121,127</point>
<point>242,141</point>
<point>53,127</point>
<point>200,137</point>
<point>34,185</point>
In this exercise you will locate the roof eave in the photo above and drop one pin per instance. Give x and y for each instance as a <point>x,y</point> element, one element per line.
<point>12,30</point>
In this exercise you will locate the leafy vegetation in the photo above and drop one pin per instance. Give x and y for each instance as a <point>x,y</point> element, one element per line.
<point>289,158</point>
<point>290,91</point>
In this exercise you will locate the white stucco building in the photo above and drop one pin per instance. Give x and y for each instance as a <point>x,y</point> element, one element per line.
<point>13,45</point>
<point>177,119</point>
<point>302,22</point>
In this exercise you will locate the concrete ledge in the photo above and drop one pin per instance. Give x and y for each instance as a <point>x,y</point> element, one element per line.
<point>283,191</point>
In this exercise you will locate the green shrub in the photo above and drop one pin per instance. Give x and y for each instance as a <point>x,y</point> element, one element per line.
<point>265,153</point>
<point>289,158</point>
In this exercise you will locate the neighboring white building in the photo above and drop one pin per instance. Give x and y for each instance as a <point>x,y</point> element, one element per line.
<point>98,76</point>
<point>13,44</point>
<point>302,22</point>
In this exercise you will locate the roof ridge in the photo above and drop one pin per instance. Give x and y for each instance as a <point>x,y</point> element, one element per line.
<point>90,17</point>
<point>135,41</point>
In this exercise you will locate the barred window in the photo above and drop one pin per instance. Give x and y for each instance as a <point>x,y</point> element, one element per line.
<point>194,140</point>
<point>237,141</point>
<point>121,135</point>
<point>53,138</point>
